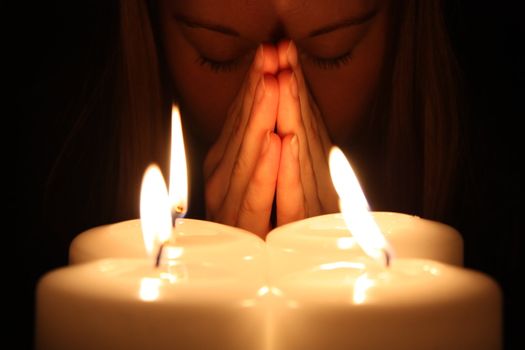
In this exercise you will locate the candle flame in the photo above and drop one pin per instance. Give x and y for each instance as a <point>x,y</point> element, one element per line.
<point>178,188</point>
<point>155,216</point>
<point>355,210</point>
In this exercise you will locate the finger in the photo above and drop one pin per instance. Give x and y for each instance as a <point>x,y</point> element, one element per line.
<point>290,195</point>
<point>217,183</point>
<point>262,119</point>
<point>269,66</point>
<point>303,92</point>
<point>265,61</point>
<point>255,210</point>
<point>234,113</point>
<point>316,134</point>
<point>282,53</point>
<point>289,60</point>
<point>290,121</point>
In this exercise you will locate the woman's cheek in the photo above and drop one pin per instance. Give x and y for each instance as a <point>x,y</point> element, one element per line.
<point>344,98</point>
<point>345,94</point>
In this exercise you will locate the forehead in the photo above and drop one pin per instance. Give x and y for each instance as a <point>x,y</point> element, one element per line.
<point>264,20</point>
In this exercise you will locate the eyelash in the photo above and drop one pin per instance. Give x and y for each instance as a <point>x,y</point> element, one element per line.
<point>218,66</point>
<point>228,66</point>
<point>331,63</point>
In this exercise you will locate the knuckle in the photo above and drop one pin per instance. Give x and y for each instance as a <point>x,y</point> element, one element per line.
<point>240,167</point>
<point>249,206</point>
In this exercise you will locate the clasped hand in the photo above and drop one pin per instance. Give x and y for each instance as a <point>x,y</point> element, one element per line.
<point>273,144</point>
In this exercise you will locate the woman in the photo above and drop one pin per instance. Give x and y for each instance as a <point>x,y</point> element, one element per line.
<point>376,78</point>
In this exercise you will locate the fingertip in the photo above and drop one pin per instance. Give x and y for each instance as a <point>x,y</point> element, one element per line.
<point>289,165</point>
<point>275,140</point>
<point>282,48</point>
<point>290,195</point>
<point>291,144</point>
<point>270,58</point>
<point>270,85</point>
<point>289,113</point>
<point>272,145</point>
<point>284,77</point>
<point>291,54</point>
<point>288,83</point>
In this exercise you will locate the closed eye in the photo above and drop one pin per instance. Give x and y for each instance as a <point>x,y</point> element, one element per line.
<point>330,63</point>
<point>219,66</point>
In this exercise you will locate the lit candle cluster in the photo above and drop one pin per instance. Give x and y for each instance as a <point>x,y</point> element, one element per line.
<point>163,283</point>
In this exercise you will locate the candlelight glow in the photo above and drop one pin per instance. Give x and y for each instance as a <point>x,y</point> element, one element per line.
<point>178,187</point>
<point>344,243</point>
<point>355,210</point>
<point>155,216</point>
<point>362,284</point>
<point>149,289</point>
<point>342,265</point>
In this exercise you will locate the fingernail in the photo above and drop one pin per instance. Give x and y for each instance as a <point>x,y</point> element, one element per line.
<point>291,54</point>
<point>259,57</point>
<point>266,142</point>
<point>260,90</point>
<point>295,146</point>
<point>293,85</point>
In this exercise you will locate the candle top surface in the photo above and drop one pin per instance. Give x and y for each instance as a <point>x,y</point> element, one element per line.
<point>410,236</point>
<point>124,239</point>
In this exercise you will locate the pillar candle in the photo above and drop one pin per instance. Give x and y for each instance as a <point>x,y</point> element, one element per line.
<point>124,240</point>
<point>144,284</point>
<point>325,239</point>
<point>130,304</point>
<point>362,295</point>
<point>413,304</point>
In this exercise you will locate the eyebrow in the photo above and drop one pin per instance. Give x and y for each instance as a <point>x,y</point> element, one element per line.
<point>343,24</point>
<point>210,26</point>
<point>232,32</point>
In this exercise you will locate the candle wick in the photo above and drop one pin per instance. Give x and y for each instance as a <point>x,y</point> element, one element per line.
<point>159,255</point>
<point>176,212</point>
<point>387,258</point>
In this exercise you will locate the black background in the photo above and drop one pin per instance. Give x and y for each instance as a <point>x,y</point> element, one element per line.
<point>45,38</point>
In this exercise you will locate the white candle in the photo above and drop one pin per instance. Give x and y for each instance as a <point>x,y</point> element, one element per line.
<point>129,304</point>
<point>366,297</point>
<point>194,286</point>
<point>124,240</point>
<point>414,304</point>
<point>200,294</point>
<point>325,239</point>
<point>215,289</point>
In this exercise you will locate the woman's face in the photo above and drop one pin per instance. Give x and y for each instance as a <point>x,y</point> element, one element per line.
<point>210,45</point>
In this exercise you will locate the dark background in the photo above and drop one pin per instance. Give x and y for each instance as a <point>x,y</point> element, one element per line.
<point>48,39</point>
